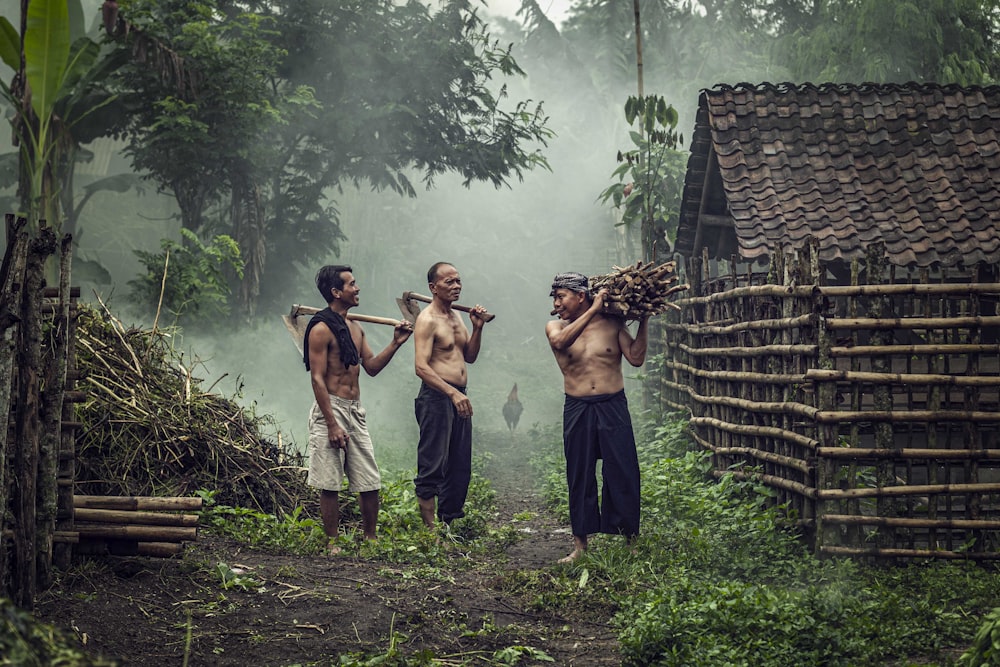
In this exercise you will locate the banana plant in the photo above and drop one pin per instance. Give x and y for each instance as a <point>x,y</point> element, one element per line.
<point>51,96</point>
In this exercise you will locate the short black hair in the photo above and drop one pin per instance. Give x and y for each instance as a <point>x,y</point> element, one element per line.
<point>432,272</point>
<point>331,277</point>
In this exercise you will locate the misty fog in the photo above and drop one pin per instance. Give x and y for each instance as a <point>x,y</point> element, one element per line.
<point>507,243</point>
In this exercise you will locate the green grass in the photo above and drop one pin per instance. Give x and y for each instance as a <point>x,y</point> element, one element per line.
<point>717,577</point>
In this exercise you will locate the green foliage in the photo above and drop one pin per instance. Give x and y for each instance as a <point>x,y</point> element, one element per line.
<point>24,642</point>
<point>402,536</point>
<point>195,288</point>
<point>651,175</point>
<point>66,78</point>
<point>985,649</point>
<point>263,115</point>
<point>512,655</point>
<point>948,41</point>
<point>292,532</point>
<point>718,577</point>
<point>236,578</point>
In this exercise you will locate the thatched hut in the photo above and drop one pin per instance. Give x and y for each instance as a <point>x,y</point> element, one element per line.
<point>840,338</point>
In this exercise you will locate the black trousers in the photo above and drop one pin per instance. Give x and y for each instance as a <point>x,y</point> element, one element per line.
<point>600,427</point>
<point>444,452</point>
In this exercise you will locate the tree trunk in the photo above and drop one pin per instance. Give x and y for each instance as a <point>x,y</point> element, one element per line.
<point>247,213</point>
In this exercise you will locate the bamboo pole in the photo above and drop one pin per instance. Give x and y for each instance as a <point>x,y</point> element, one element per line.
<point>818,375</point>
<point>752,325</point>
<point>770,457</point>
<point>159,549</point>
<point>906,453</point>
<point>752,429</point>
<point>909,490</point>
<point>799,409</point>
<point>114,547</point>
<point>749,351</point>
<point>902,289</point>
<point>135,517</point>
<point>843,291</point>
<point>899,522</point>
<point>149,503</point>
<point>954,349</point>
<point>137,533</point>
<point>739,376</point>
<point>845,416</point>
<point>910,553</point>
<point>66,537</point>
<point>912,322</point>
<point>770,480</point>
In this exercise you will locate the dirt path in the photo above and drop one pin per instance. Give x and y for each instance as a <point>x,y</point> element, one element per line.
<point>309,610</point>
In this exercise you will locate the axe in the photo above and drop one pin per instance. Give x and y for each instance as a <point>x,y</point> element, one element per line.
<point>297,326</point>
<point>410,309</point>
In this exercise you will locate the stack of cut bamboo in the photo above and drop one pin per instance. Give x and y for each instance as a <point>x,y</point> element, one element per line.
<point>134,525</point>
<point>639,291</point>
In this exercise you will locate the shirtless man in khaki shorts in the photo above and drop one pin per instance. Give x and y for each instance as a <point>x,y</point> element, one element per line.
<point>335,350</point>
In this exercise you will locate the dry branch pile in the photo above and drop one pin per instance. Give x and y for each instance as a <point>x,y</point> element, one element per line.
<point>638,291</point>
<point>149,430</point>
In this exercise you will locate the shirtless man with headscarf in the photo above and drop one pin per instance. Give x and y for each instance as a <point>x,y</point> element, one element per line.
<point>335,349</point>
<point>589,347</point>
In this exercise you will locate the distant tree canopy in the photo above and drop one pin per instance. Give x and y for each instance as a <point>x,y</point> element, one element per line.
<point>591,60</point>
<point>253,115</point>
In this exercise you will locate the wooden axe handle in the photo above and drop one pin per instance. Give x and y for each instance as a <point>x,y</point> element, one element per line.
<point>426,299</point>
<point>357,317</point>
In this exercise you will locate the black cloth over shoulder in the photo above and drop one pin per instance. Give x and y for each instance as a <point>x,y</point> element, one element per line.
<point>338,325</point>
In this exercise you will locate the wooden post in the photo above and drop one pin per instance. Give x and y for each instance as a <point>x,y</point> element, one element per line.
<point>880,306</point>
<point>26,428</point>
<point>51,421</point>
<point>11,287</point>
<point>826,399</point>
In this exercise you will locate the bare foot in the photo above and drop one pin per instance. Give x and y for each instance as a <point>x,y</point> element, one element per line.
<point>572,557</point>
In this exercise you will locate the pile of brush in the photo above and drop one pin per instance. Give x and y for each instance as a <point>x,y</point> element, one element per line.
<point>639,291</point>
<point>150,429</point>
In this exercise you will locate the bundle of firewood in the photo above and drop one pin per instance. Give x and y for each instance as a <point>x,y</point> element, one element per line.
<point>638,291</point>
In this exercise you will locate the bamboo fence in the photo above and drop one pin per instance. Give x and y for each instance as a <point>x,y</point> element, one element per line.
<point>867,396</point>
<point>42,523</point>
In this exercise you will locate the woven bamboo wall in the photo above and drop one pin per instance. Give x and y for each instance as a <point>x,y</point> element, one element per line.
<point>867,396</point>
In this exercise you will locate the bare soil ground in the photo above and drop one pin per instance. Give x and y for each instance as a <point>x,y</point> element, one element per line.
<point>152,612</point>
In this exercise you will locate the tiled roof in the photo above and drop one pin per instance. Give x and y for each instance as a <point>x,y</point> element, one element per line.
<point>914,166</point>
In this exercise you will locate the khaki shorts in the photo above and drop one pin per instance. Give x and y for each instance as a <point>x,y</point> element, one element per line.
<point>328,465</point>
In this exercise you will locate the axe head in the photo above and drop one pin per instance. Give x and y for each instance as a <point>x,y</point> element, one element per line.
<point>408,307</point>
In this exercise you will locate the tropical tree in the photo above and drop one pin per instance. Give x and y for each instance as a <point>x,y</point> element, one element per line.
<point>884,41</point>
<point>57,90</point>
<point>264,111</point>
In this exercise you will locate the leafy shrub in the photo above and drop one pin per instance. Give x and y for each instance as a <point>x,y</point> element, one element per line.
<point>195,289</point>
<point>985,649</point>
